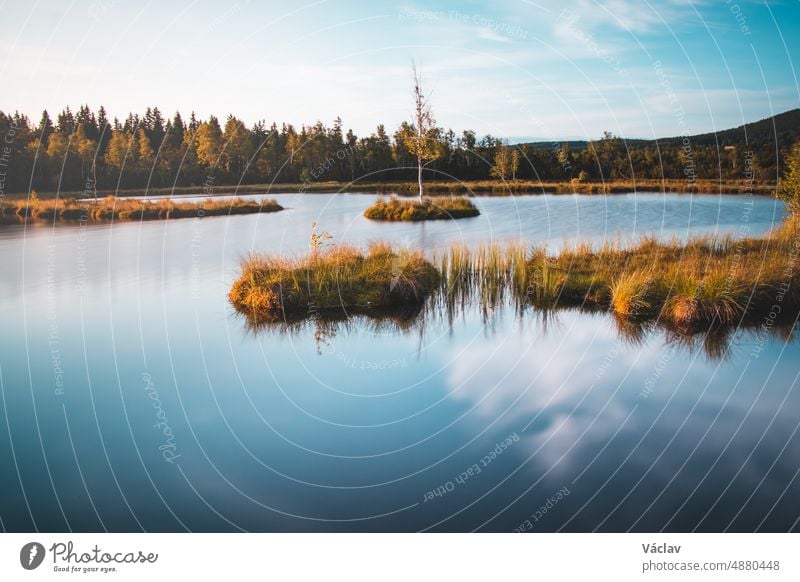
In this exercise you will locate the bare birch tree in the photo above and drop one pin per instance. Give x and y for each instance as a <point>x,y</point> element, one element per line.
<point>422,142</point>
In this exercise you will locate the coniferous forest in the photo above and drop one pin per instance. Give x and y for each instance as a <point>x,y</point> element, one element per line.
<point>86,149</point>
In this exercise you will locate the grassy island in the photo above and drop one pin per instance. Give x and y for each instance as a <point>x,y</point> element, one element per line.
<point>111,208</point>
<point>336,279</point>
<point>414,210</point>
<point>689,286</point>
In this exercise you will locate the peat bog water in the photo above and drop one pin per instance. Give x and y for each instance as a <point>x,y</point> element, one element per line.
<point>135,399</point>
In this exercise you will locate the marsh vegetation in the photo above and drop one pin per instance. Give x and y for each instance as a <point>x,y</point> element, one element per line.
<point>704,283</point>
<point>111,208</point>
<point>445,208</point>
<point>332,280</point>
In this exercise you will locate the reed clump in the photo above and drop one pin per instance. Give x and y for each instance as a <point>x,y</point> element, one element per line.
<point>112,208</point>
<point>336,279</point>
<point>629,294</point>
<point>488,274</point>
<point>414,210</point>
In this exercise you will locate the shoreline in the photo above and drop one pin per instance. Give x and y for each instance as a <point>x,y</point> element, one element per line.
<point>476,188</point>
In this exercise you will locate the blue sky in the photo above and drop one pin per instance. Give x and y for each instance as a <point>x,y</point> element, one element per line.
<point>547,69</point>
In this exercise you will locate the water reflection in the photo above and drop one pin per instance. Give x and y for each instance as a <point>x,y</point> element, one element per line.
<point>347,423</point>
<point>716,342</point>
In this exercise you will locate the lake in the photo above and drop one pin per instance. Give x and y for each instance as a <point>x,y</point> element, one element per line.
<point>134,398</point>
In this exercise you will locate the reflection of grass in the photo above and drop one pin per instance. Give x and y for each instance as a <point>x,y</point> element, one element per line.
<point>714,342</point>
<point>632,331</point>
<point>111,208</point>
<point>414,210</point>
<point>339,278</point>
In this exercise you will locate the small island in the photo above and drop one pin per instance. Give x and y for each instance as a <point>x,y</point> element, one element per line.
<point>274,289</point>
<point>442,208</point>
<point>112,208</point>
<point>422,141</point>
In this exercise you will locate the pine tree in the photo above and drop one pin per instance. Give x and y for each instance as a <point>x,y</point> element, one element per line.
<point>65,123</point>
<point>103,133</point>
<point>209,142</point>
<point>45,127</point>
<point>176,130</point>
<point>157,132</point>
<point>144,151</point>
<point>238,147</point>
<point>118,148</point>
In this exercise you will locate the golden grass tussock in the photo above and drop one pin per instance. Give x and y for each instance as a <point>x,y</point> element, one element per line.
<point>629,294</point>
<point>334,279</point>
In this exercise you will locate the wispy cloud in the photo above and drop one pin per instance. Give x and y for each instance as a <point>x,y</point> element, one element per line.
<point>511,68</point>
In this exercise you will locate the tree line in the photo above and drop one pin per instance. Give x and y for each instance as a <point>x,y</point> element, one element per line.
<point>87,150</point>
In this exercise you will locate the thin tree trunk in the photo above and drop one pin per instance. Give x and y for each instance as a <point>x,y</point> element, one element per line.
<point>419,178</point>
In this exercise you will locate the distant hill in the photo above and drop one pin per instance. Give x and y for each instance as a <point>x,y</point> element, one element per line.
<point>783,129</point>
<point>580,144</point>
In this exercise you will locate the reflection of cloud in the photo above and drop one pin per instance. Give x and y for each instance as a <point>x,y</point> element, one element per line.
<point>534,373</point>
<point>579,391</point>
<point>557,384</point>
<point>528,372</point>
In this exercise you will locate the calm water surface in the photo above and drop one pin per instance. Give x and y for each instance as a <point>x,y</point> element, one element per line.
<point>134,399</point>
